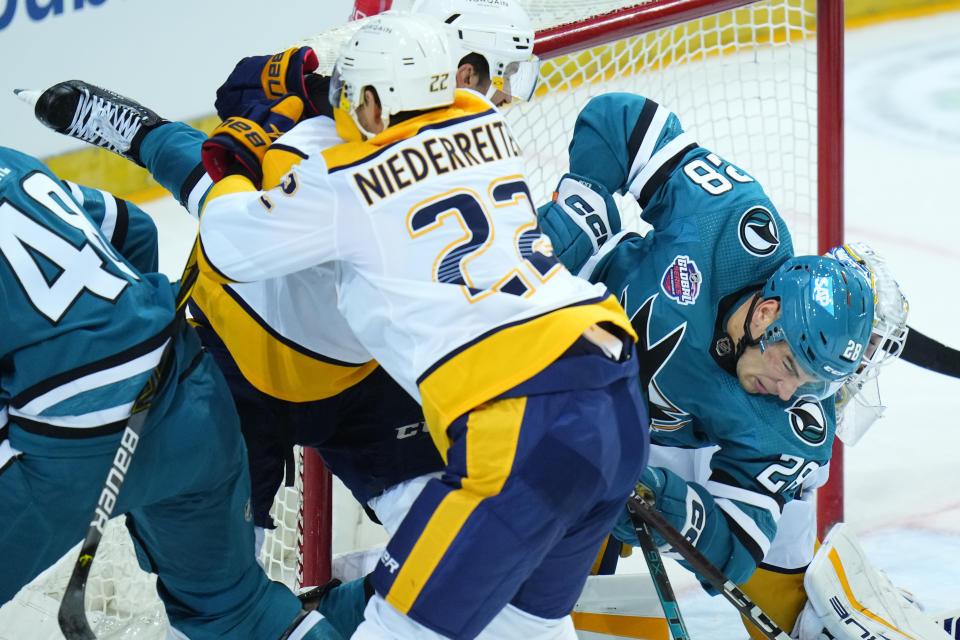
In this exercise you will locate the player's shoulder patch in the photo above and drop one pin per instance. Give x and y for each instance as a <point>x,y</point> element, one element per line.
<point>682,280</point>
<point>808,421</point>
<point>758,231</point>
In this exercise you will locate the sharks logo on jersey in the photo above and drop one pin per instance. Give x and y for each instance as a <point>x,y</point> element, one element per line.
<point>808,421</point>
<point>652,356</point>
<point>681,280</point>
<point>758,231</point>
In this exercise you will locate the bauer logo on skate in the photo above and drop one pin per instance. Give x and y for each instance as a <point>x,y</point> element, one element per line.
<point>681,281</point>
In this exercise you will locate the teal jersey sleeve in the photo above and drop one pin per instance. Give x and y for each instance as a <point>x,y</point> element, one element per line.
<point>90,326</point>
<point>716,238</point>
<point>171,153</point>
<point>128,227</point>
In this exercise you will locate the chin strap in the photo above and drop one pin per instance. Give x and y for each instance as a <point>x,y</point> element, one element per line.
<point>723,349</point>
<point>747,340</point>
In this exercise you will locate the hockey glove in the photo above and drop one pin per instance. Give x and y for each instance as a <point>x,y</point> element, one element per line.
<point>238,145</point>
<point>263,79</point>
<point>579,219</point>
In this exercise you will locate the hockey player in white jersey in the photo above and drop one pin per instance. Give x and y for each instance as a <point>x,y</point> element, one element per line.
<point>524,372</point>
<point>88,321</point>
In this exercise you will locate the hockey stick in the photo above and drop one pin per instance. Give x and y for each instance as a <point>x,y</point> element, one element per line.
<point>638,508</point>
<point>71,615</point>
<point>926,352</point>
<point>651,554</point>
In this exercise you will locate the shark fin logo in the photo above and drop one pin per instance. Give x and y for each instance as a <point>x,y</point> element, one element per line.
<point>808,421</point>
<point>758,231</point>
<point>652,356</point>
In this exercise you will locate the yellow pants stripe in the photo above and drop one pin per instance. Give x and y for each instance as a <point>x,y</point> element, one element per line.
<point>493,430</point>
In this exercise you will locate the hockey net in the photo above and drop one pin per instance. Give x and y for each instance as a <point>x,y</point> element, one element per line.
<point>745,78</point>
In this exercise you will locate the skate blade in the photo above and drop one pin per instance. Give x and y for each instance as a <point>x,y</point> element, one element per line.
<point>30,96</point>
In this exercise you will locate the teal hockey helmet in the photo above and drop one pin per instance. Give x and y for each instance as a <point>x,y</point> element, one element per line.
<point>826,316</point>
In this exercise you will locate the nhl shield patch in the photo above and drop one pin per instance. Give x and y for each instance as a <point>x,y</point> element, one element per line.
<point>681,281</point>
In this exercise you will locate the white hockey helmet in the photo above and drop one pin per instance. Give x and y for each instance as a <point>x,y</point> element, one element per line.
<point>887,338</point>
<point>405,58</point>
<point>500,31</point>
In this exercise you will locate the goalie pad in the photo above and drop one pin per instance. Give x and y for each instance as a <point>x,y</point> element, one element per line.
<point>619,607</point>
<point>851,599</point>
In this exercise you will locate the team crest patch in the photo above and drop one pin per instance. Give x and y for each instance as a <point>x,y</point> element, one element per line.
<point>681,281</point>
<point>808,421</point>
<point>758,231</point>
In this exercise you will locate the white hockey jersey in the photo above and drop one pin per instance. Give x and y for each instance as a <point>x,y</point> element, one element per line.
<point>440,267</point>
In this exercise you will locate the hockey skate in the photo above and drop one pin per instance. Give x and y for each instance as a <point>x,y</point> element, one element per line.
<point>101,117</point>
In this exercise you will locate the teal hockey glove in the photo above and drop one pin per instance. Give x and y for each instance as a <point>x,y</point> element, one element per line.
<point>694,513</point>
<point>579,219</point>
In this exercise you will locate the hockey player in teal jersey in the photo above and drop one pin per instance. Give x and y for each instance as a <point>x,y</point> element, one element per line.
<point>87,323</point>
<point>741,344</point>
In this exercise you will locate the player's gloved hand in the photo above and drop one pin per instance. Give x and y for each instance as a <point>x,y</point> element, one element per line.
<point>579,219</point>
<point>665,492</point>
<point>238,145</point>
<point>263,79</point>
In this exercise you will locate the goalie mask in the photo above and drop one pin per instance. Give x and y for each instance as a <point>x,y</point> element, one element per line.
<point>500,31</point>
<point>406,59</point>
<point>826,315</point>
<point>887,338</point>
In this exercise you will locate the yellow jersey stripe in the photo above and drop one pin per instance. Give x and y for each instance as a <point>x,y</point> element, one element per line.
<point>503,360</point>
<point>272,366</point>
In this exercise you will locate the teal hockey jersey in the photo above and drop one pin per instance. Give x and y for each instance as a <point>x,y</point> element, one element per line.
<point>716,238</point>
<point>85,323</point>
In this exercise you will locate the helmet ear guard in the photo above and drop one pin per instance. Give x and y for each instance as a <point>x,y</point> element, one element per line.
<point>826,315</point>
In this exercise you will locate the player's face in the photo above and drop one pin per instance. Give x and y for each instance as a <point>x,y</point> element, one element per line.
<point>773,371</point>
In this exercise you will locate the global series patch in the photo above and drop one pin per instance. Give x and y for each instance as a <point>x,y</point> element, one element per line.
<point>681,281</point>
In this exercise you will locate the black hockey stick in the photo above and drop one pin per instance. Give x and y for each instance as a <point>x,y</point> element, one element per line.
<point>71,616</point>
<point>926,352</point>
<point>638,508</point>
<point>651,554</point>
